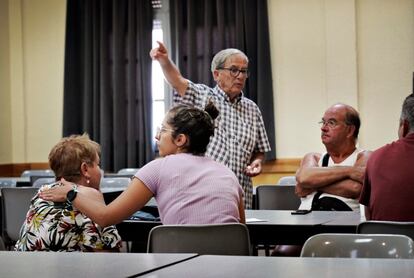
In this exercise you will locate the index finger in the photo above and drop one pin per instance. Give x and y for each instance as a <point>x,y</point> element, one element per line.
<point>161,45</point>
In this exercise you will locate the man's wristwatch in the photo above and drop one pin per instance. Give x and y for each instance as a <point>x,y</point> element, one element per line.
<point>71,195</point>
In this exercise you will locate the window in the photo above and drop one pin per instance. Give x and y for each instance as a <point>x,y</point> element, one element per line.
<point>161,98</point>
<point>157,82</point>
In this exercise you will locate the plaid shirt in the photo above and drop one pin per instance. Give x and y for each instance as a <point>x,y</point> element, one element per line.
<point>239,132</point>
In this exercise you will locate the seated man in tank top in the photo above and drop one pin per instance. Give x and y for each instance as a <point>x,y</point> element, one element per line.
<point>332,180</point>
<point>342,175</point>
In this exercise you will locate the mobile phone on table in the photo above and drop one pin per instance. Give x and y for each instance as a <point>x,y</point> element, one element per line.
<point>301,211</point>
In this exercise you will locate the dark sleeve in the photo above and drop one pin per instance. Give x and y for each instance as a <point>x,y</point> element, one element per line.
<point>365,196</point>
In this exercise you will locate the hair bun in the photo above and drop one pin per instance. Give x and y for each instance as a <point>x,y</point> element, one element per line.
<point>211,109</point>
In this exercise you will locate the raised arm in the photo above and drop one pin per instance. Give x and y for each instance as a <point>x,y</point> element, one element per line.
<point>131,200</point>
<point>171,72</point>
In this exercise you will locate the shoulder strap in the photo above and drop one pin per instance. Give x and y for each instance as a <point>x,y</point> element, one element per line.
<point>325,161</point>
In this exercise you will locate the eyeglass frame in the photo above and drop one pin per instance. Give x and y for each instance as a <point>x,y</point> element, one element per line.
<point>235,72</point>
<point>331,123</point>
<point>161,129</point>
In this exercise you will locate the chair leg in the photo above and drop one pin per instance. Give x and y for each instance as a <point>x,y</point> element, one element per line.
<point>267,252</point>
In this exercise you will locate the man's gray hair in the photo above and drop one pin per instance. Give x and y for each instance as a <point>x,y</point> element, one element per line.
<point>407,112</point>
<point>221,57</point>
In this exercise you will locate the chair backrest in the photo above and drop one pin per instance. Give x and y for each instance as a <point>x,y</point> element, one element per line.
<point>358,246</point>
<point>287,180</point>
<point>386,227</point>
<point>8,183</point>
<point>15,203</point>
<point>127,171</point>
<point>115,182</point>
<point>34,178</point>
<point>276,197</point>
<point>2,246</point>
<point>42,181</point>
<point>28,173</point>
<point>211,239</point>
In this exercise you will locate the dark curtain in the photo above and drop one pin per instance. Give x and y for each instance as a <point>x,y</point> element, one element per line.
<point>201,28</point>
<point>107,82</point>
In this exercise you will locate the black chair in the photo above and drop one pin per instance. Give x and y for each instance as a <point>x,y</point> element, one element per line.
<point>34,180</point>
<point>8,182</point>
<point>115,182</point>
<point>211,239</point>
<point>287,180</point>
<point>387,227</point>
<point>15,202</point>
<point>127,171</point>
<point>276,197</point>
<point>28,173</point>
<point>2,246</point>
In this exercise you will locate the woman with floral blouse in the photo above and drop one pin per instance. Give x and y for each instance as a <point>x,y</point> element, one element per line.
<point>53,226</point>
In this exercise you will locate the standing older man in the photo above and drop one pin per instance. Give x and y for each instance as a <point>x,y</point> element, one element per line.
<point>240,138</point>
<point>388,189</point>
<point>333,180</point>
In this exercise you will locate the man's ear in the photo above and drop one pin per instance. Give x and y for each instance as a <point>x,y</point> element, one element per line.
<point>351,131</point>
<point>180,140</point>
<point>215,75</point>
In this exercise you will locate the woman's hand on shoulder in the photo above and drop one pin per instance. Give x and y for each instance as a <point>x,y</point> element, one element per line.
<point>56,193</point>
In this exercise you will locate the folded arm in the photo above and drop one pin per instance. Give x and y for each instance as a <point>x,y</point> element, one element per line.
<point>345,181</point>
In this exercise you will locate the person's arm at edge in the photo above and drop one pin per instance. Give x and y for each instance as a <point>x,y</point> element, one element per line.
<point>241,211</point>
<point>365,195</point>
<point>132,199</point>
<point>170,70</point>
<point>367,213</point>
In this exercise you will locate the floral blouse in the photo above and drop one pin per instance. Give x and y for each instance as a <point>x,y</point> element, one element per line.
<point>53,226</point>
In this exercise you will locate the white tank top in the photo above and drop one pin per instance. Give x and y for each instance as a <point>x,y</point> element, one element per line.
<point>306,202</point>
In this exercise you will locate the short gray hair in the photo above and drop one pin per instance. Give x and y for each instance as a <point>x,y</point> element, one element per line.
<point>407,112</point>
<point>221,57</point>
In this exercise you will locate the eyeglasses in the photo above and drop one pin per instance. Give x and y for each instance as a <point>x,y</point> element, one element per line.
<point>163,129</point>
<point>330,123</point>
<point>235,71</point>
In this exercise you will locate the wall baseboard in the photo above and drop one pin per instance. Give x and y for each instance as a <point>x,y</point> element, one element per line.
<point>16,169</point>
<point>273,170</point>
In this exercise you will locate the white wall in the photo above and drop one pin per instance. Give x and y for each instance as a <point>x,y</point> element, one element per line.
<point>360,52</point>
<point>35,78</point>
<point>385,65</point>
<point>328,51</point>
<point>5,101</point>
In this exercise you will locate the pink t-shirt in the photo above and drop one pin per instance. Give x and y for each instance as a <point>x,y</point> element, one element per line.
<point>192,189</point>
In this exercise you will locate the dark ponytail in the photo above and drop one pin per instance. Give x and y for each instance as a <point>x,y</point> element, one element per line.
<point>196,124</point>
